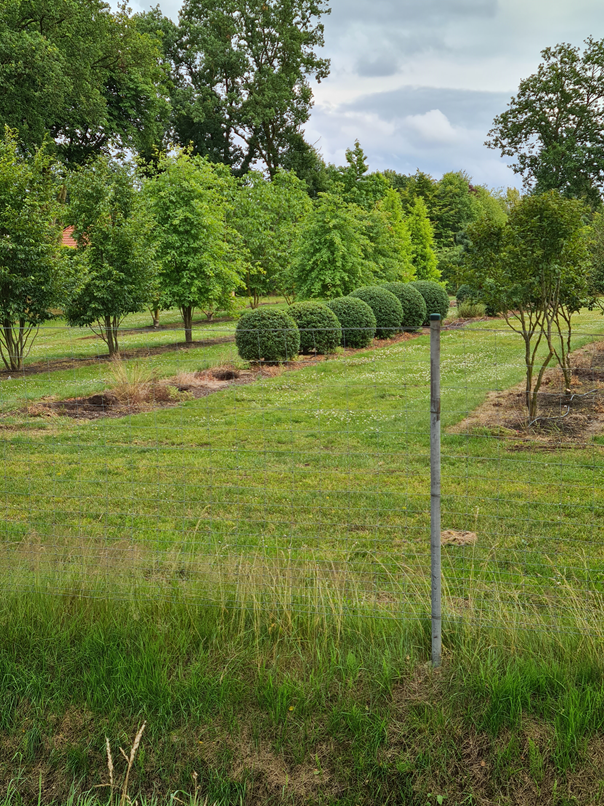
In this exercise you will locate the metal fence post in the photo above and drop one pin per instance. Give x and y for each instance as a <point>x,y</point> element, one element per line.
<point>435,487</point>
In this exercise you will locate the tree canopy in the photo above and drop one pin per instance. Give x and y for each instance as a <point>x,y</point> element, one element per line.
<point>79,73</point>
<point>29,247</point>
<point>554,126</point>
<point>533,269</point>
<point>115,254</point>
<point>199,268</point>
<point>240,73</point>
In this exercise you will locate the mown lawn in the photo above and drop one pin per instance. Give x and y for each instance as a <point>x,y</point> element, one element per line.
<point>250,571</point>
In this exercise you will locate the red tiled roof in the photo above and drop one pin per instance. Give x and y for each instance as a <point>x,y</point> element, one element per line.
<point>68,239</point>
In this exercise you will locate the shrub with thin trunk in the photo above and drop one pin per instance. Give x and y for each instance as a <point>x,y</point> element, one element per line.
<point>29,248</point>
<point>114,264</point>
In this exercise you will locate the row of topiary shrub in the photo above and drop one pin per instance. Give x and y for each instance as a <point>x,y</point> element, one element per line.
<point>353,321</point>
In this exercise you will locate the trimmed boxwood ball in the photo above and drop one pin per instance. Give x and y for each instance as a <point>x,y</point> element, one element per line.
<point>435,297</point>
<point>387,309</point>
<point>320,330</point>
<point>357,320</point>
<point>265,335</point>
<point>414,306</point>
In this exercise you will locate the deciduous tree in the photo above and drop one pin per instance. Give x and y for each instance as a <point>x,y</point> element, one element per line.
<point>199,267</point>
<point>533,269</point>
<point>80,73</point>
<point>29,247</point>
<point>115,254</point>
<point>554,127</point>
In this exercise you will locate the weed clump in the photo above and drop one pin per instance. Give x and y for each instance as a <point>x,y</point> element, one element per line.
<point>320,330</point>
<point>435,297</point>
<point>471,310</point>
<point>414,305</point>
<point>357,321</point>
<point>264,335</point>
<point>387,309</point>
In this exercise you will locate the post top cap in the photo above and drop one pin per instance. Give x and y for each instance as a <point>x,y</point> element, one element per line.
<point>434,317</point>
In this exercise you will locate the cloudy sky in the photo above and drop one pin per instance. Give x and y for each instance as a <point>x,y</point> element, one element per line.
<point>418,82</point>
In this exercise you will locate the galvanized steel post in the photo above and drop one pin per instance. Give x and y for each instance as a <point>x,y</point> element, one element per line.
<point>435,487</point>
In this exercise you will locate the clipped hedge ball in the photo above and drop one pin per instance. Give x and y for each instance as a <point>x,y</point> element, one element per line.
<point>387,309</point>
<point>356,319</point>
<point>264,335</point>
<point>320,330</point>
<point>435,297</point>
<point>414,306</point>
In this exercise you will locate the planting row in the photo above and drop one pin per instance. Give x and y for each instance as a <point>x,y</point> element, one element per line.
<point>377,311</point>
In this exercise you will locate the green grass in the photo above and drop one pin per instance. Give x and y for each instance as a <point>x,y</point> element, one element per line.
<point>251,571</point>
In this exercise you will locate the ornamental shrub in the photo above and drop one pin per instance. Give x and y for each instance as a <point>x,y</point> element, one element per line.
<point>357,320</point>
<point>387,309</point>
<point>265,335</point>
<point>320,330</point>
<point>414,306</point>
<point>435,297</point>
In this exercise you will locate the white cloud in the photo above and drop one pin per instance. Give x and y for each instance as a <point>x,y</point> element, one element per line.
<point>431,128</point>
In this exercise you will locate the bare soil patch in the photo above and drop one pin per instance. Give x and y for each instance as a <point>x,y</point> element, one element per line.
<point>566,417</point>
<point>120,402</point>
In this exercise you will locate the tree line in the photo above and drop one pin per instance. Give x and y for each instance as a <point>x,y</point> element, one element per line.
<point>187,233</point>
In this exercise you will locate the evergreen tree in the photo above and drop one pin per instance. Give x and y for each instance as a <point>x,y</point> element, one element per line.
<point>422,238</point>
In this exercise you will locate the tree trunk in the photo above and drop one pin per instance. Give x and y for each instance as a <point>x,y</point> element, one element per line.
<point>187,317</point>
<point>155,316</point>
<point>110,330</point>
<point>13,341</point>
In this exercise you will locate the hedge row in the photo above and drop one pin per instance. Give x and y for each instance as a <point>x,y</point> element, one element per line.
<point>317,328</point>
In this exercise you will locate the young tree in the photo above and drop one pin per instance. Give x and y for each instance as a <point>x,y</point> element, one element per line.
<point>267,216</point>
<point>390,247</point>
<point>191,200</point>
<point>29,247</point>
<point>422,238</point>
<point>533,269</point>
<point>553,127</point>
<point>331,258</point>
<point>115,254</point>
<point>80,73</point>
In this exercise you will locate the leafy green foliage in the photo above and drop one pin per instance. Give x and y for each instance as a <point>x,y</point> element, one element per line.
<point>320,330</point>
<point>332,249</point>
<point>29,247</point>
<point>267,216</point>
<point>82,74</point>
<point>534,269</point>
<point>240,76</point>
<point>553,126</point>
<point>435,297</point>
<point>422,238</point>
<point>115,254</point>
<point>387,309</point>
<point>357,320</point>
<point>465,293</point>
<point>412,302</point>
<point>391,249</point>
<point>200,268</point>
<point>265,335</point>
